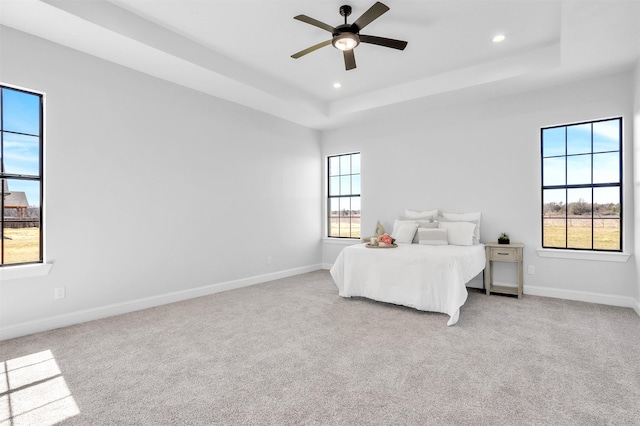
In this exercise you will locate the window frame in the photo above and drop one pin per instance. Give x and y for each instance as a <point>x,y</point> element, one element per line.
<point>350,195</point>
<point>23,177</point>
<point>591,186</point>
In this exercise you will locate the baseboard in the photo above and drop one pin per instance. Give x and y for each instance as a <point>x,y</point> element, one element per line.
<point>636,306</point>
<point>584,296</point>
<point>77,317</point>
<point>327,266</point>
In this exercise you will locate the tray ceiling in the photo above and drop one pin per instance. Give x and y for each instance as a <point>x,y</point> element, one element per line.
<point>240,50</point>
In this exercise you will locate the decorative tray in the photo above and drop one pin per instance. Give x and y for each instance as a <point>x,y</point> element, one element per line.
<point>379,246</point>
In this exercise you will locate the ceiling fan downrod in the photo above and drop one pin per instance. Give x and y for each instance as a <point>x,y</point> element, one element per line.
<point>345,10</point>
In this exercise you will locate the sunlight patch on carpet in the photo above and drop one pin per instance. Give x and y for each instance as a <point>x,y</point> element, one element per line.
<point>33,391</point>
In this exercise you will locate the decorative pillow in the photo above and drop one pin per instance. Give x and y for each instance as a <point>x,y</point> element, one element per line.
<point>405,232</point>
<point>379,231</point>
<point>397,223</point>
<point>427,223</point>
<point>433,236</point>
<point>422,223</point>
<point>426,214</point>
<point>474,217</point>
<point>459,233</point>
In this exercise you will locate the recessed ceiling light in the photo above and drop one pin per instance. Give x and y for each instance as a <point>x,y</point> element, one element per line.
<point>498,38</point>
<point>337,85</point>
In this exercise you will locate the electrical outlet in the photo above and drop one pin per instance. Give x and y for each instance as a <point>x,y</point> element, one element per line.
<point>59,293</point>
<point>531,270</point>
<point>268,260</point>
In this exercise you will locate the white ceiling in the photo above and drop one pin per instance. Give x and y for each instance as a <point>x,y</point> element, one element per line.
<point>240,50</point>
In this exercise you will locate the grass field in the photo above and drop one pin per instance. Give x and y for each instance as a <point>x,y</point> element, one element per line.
<point>340,227</point>
<point>606,233</point>
<point>21,245</point>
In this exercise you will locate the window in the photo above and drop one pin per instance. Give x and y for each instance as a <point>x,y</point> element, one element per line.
<point>344,196</point>
<point>21,178</point>
<point>582,186</point>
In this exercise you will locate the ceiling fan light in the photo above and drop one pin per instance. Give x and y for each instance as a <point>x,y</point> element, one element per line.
<point>498,38</point>
<point>346,41</point>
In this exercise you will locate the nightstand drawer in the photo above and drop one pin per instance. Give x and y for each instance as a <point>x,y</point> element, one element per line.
<point>507,253</point>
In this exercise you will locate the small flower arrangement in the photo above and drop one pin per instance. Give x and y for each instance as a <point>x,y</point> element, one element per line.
<point>386,239</point>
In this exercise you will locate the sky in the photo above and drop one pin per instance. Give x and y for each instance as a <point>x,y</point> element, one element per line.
<point>570,147</point>
<point>21,150</point>
<point>562,146</point>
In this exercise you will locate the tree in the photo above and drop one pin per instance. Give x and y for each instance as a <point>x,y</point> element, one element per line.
<point>554,208</point>
<point>580,208</point>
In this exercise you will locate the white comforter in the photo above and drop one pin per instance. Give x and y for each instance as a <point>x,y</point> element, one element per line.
<point>428,278</point>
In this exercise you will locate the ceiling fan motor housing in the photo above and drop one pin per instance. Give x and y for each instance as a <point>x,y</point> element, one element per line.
<point>346,28</point>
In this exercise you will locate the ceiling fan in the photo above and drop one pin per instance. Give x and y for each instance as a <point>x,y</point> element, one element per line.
<point>347,36</point>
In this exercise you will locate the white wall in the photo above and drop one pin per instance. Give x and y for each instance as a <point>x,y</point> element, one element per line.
<point>156,192</point>
<point>154,189</point>
<point>485,156</point>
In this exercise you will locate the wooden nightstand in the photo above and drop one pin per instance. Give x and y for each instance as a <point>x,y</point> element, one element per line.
<point>503,253</point>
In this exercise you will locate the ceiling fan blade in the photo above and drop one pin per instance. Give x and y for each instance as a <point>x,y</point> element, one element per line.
<point>370,15</point>
<point>349,60</point>
<point>314,22</point>
<point>381,41</point>
<point>311,49</point>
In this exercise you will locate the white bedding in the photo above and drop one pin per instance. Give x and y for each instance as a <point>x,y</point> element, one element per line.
<point>428,278</point>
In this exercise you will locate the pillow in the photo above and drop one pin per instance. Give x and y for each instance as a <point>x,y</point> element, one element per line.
<point>425,219</point>
<point>476,223</point>
<point>459,233</point>
<point>379,231</point>
<point>433,236</point>
<point>426,214</point>
<point>405,232</point>
<point>422,223</point>
<point>397,223</point>
<point>463,216</point>
<point>427,223</point>
<point>474,217</point>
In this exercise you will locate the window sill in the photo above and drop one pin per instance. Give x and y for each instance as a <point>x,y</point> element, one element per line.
<point>341,241</point>
<point>24,271</point>
<point>584,255</point>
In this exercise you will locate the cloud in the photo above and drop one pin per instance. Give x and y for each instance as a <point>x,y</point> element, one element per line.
<point>20,157</point>
<point>609,130</point>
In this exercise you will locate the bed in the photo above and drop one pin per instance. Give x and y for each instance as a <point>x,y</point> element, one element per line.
<point>424,277</point>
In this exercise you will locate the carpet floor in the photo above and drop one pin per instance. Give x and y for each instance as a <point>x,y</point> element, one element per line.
<point>292,351</point>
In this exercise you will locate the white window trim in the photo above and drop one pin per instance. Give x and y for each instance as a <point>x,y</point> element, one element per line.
<point>593,254</point>
<point>341,241</point>
<point>584,255</point>
<point>24,271</point>
<point>325,237</point>
<point>33,269</point>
